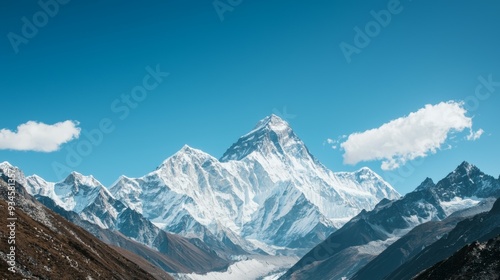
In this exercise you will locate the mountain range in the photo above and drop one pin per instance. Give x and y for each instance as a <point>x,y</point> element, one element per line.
<point>267,193</point>
<point>95,206</point>
<point>265,198</point>
<point>47,246</point>
<point>352,250</point>
<point>266,187</point>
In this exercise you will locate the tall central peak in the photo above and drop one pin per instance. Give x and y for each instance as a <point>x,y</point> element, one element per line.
<point>272,122</point>
<point>271,135</point>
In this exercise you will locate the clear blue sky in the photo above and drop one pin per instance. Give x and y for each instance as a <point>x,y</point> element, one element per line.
<point>225,75</point>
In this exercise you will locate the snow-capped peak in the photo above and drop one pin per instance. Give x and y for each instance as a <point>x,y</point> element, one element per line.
<point>7,167</point>
<point>186,149</point>
<point>271,135</point>
<point>367,172</point>
<point>184,155</point>
<point>76,178</point>
<point>74,193</point>
<point>14,171</point>
<point>466,181</point>
<point>272,122</point>
<point>5,164</point>
<point>465,169</point>
<point>36,178</point>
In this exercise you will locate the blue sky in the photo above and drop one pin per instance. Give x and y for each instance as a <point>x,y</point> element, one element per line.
<point>230,68</point>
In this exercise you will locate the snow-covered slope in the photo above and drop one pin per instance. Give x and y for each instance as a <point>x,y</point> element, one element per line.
<point>88,198</point>
<point>49,247</point>
<point>75,193</point>
<point>266,187</point>
<point>13,171</point>
<point>91,207</point>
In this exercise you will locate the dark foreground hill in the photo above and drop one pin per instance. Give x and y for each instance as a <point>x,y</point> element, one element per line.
<point>473,262</point>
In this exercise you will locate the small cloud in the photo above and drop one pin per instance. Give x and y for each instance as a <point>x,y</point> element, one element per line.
<point>334,144</point>
<point>39,137</point>
<point>473,136</point>
<point>417,135</point>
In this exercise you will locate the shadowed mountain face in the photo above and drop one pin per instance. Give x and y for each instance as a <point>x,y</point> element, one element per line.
<point>49,247</point>
<point>481,227</point>
<point>176,254</point>
<point>350,248</point>
<point>415,241</point>
<point>477,261</point>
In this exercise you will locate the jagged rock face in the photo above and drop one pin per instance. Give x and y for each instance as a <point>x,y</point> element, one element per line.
<point>477,261</point>
<point>266,187</point>
<point>481,227</point>
<point>371,232</point>
<point>411,244</point>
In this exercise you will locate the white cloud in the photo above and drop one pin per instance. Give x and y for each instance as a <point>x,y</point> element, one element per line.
<point>330,141</point>
<point>40,137</point>
<point>473,136</point>
<point>417,135</point>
